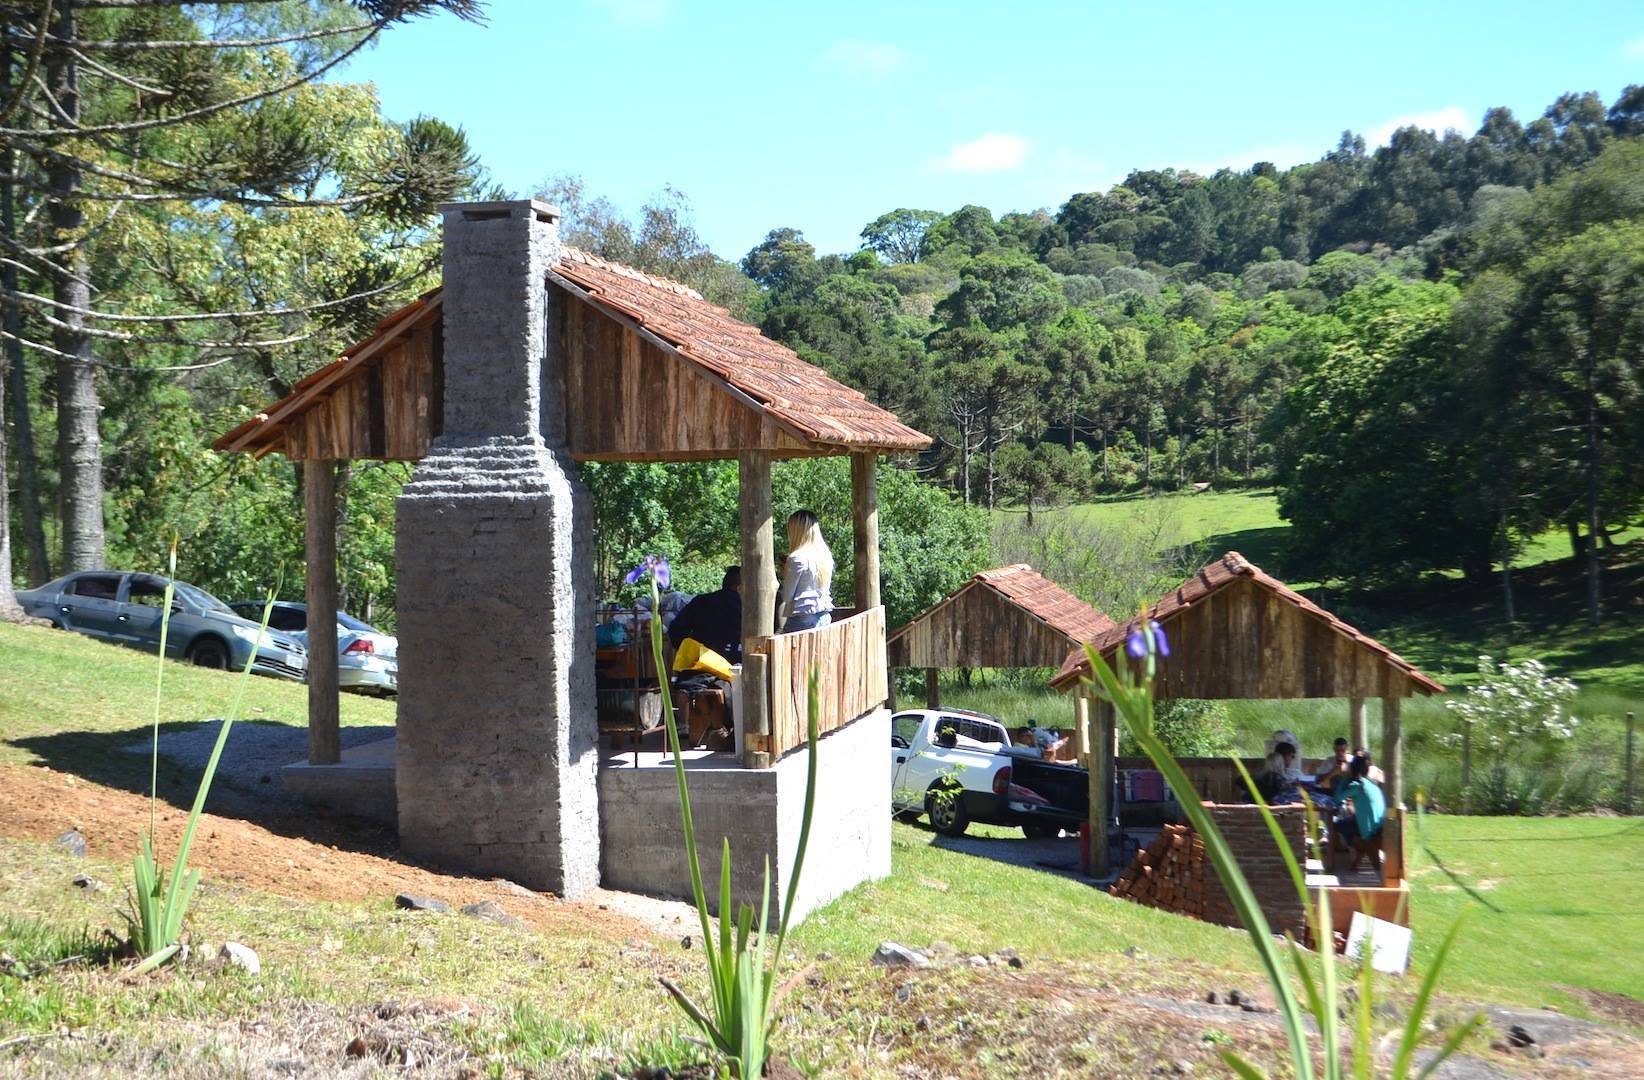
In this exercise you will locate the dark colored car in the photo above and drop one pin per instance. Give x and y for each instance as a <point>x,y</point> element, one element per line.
<point>125,608</point>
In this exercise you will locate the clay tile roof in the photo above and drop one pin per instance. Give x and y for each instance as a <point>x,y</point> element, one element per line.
<point>801,396</point>
<point>1218,575</point>
<point>1037,595</point>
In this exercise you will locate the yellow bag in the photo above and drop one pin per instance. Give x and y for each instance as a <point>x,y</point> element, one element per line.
<point>695,656</point>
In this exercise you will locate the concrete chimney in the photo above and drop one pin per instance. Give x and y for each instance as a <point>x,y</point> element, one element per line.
<point>497,736</point>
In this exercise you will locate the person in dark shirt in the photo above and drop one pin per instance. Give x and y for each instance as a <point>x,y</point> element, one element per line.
<point>714,619</point>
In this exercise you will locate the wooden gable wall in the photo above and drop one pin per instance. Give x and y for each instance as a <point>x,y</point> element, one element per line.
<point>390,407</point>
<point>1244,641</point>
<point>627,398</point>
<point>977,628</point>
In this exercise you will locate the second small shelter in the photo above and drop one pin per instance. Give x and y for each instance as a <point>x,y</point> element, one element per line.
<point>1235,631</point>
<point>1010,616</point>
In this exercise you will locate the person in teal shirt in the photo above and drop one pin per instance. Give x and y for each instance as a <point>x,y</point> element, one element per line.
<point>1369,804</point>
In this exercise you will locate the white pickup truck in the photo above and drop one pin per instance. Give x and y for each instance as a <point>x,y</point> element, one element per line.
<point>958,767</point>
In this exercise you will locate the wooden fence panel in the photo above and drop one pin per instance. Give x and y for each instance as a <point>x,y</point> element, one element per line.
<point>849,660</point>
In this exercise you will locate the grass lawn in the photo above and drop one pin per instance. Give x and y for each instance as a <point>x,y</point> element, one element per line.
<point>1558,897</point>
<point>573,992</point>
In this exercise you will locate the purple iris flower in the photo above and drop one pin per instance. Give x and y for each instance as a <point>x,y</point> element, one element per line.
<point>1148,637</point>
<point>654,565</point>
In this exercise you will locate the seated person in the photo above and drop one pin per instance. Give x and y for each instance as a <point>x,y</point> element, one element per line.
<point>714,619</point>
<point>1334,772</point>
<point>1369,804</point>
<point>1277,780</point>
<point>1045,740</point>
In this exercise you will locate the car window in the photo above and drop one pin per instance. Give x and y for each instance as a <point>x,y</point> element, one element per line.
<point>904,727</point>
<point>202,599</point>
<point>97,586</point>
<point>148,591</point>
<point>970,728</point>
<point>356,625</point>
<point>284,618</point>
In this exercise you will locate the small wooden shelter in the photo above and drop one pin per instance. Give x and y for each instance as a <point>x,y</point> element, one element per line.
<point>651,372</point>
<point>1011,616</point>
<point>1237,632</point>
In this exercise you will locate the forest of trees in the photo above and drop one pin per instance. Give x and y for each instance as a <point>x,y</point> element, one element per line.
<point>1431,348</point>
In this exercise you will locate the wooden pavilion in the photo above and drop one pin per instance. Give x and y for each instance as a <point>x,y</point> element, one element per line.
<point>651,372</point>
<point>1237,632</point>
<point>1010,616</point>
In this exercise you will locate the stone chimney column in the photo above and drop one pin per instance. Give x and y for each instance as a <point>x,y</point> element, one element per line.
<point>497,736</point>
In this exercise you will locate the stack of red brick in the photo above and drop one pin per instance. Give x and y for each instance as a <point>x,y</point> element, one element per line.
<point>1172,872</point>
<point>1168,873</point>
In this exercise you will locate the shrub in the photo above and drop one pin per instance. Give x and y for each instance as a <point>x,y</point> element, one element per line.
<point>1188,728</point>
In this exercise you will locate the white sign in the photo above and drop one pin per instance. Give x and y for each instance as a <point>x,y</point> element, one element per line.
<point>1389,943</point>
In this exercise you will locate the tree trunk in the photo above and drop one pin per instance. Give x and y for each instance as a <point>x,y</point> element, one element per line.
<point>989,445</point>
<point>79,446</point>
<point>1593,596</point>
<point>1507,572</point>
<point>17,387</point>
<point>1573,527</point>
<point>1147,456</point>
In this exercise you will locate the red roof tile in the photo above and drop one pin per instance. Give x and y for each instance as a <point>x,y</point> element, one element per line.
<point>1037,595</point>
<point>1211,578</point>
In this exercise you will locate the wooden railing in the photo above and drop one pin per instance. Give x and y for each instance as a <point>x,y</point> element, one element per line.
<point>849,659</point>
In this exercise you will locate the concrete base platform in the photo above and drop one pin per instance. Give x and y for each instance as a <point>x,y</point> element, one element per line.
<point>642,832</point>
<point>361,784</point>
<point>759,811</point>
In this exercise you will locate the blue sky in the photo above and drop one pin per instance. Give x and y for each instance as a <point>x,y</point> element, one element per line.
<point>821,117</point>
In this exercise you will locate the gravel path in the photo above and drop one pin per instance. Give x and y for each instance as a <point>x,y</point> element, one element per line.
<point>255,752</point>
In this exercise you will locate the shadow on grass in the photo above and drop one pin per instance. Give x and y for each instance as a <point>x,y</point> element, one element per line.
<point>1266,547</point>
<point>245,787</point>
<point>1049,856</point>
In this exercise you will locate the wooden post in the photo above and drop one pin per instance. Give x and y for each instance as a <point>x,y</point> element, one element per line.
<point>1101,784</point>
<point>758,590</point>
<point>865,528</point>
<point>1358,724</point>
<point>1081,729</point>
<point>1392,750</point>
<point>320,543</point>
<point>933,690</point>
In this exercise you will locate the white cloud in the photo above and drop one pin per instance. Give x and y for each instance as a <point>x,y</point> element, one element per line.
<point>1439,120</point>
<point>1635,47</point>
<point>634,12</point>
<point>853,56</point>
<point>997,151</point>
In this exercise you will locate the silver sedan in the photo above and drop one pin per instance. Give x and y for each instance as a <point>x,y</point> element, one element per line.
<point>367,658</point>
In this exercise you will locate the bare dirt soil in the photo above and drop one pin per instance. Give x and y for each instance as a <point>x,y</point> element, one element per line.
<point>41,804</point>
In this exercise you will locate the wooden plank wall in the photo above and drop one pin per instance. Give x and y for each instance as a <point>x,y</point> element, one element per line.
<point>389,407</point>
<point>978,627</point>
<point>1245,642</point>
<point>849,658</point>
<point>628,399</point>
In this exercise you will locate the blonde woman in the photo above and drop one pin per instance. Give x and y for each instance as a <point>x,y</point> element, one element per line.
<point>807,575</point>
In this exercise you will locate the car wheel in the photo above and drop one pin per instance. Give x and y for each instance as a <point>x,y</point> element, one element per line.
<point>946,810</point>
<point>209,653</point>
<point>1041,831</point>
